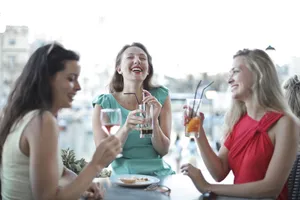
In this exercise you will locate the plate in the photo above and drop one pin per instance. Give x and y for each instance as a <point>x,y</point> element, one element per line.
<point>151,180</point>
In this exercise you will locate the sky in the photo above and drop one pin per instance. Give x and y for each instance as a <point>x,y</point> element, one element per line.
<point>183,36</point>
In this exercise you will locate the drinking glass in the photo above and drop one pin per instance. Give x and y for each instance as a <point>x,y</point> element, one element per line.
<point>146,129</point>
<point>111,120</point>
<point>192,121</point>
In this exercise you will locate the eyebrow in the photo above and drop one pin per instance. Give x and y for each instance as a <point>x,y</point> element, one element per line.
<point>73,74</point>
<point>234,68</point>
<point>140,54</point>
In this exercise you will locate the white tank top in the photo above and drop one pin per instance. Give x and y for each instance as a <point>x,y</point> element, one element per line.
<point>15,180</point>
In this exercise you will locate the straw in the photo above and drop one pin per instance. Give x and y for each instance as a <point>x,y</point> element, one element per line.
<point>195,97</point>
<point>137,100</point>
<point>205,89</point>
<point>203,93</point>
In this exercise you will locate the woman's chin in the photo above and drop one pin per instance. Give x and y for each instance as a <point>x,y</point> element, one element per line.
<point>67,105</point>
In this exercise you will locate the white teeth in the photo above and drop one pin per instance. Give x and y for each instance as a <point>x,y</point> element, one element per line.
<point>71,97</point>
<point>136,70</point>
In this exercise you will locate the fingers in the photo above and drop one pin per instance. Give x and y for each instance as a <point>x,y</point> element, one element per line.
<point>115,145</point>
<point>109,141</point>
<point>147,93</point>
<point>202,117</point>
<point>133,120</point>
<point>98,190</point>
<point>185,168</point>
<point>112,148</point>
<point>88,194</point>
<point>102,190</point>
<point>110,144</point>
<point>151,100</point>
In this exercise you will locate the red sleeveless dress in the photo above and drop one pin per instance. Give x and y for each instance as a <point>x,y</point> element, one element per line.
<point>251,150</point>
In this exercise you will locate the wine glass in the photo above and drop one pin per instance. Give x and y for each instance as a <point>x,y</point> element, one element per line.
<point>111,120</point>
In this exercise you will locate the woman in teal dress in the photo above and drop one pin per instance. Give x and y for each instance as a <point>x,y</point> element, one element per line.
<point>133,74</point>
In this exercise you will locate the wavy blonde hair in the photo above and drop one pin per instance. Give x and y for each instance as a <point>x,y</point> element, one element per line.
<point>266,89</point>
<point>292,94</point>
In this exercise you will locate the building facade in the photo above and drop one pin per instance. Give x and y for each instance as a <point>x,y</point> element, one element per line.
<point>14,52</point>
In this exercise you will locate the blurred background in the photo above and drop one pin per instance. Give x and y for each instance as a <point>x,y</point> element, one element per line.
<point>189,40</point>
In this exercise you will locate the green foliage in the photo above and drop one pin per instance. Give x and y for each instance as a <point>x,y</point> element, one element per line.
<point>69,160</point>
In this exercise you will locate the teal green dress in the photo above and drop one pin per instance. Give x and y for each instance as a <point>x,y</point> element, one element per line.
<point>139,156</point>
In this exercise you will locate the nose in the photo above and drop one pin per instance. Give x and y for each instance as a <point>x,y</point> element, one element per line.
<point>230,79</point>
<point>77,86</point>
<point>137,60</point>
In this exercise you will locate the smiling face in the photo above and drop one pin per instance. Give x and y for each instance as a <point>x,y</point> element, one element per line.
<point>134,64</point>
<point>65,85</point>
<point>240,79</point>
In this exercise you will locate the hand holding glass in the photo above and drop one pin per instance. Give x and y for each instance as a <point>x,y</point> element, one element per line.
<point>192,121</point>
<point>146,129</point>
<point>111,120</point>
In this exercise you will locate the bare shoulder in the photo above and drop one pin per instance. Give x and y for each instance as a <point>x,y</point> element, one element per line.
<point>287,124</point>
<point>288,121</point>
<point>97,107</point>
<point>40,122</point>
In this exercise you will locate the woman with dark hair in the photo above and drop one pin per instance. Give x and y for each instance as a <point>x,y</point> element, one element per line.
<point>31,164</point>
<point>133,74</point>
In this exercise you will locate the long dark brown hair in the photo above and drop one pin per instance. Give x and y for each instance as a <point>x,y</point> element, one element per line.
<point>117,83</point>
<point>32,89</point>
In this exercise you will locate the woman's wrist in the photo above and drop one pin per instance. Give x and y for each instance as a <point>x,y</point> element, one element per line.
<point>156,122</point>
<point>95,167</point>
<point>201,131</point>
<point>126,129</point>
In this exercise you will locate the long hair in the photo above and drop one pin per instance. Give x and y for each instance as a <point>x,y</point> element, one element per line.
<point>292,94</point>
<point>117,83</point>
<point>266,89</point>
<point>32,89</point>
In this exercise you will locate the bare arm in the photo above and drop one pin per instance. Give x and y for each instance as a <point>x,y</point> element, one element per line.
<point>100,133</point>
<point>286,141</point>
<point>217,165</point>
<point>44,158</point>
<point>42,138</point>
<point>67,177</point>
<point>162,129</point>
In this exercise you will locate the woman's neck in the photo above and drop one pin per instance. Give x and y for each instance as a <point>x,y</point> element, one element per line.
<point>254,110</point>
<point>137,89</point>
<point>54,111</point>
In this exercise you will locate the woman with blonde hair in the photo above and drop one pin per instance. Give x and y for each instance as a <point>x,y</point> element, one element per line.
<point>292,94</point>
<point>261,134</point>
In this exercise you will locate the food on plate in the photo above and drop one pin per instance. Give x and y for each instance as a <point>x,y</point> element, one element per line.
<point>128,180</point>
<point>142,179</point>
<point>132,180</point>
